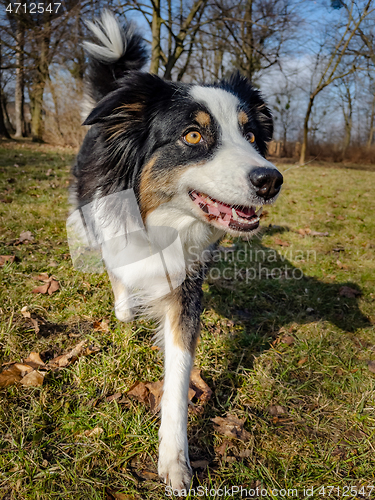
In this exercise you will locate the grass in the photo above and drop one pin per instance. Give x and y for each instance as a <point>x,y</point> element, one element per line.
<point>288,354</point>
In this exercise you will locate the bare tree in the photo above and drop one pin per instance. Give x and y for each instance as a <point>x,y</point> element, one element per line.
<point>329,64</point>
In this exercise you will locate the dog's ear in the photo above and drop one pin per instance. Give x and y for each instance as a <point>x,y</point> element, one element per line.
<point>129,101</point>
<point>252,98</point>
<point>104,108</point>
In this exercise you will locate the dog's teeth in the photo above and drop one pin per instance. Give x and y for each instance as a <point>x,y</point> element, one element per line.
<point>258,212</point>
<point>234,214</point>
<point>214,204</point>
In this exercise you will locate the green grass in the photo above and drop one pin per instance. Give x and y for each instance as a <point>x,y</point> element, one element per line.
<point>322,382</point>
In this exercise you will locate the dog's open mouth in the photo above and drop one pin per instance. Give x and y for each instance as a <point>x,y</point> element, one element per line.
<point>239,218</point>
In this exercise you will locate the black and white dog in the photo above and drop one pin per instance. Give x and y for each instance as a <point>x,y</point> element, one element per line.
<point>194,157</point>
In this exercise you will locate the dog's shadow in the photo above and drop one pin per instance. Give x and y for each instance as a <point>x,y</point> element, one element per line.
<point>255,295</point>
<point>266,289</point>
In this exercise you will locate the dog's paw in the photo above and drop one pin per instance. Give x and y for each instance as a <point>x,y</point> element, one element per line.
<point>175,470</point>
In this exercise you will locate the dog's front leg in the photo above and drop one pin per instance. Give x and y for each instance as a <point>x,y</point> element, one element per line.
<point>181,330</point>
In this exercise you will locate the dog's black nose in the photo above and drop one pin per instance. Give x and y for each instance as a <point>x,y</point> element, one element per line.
<point>267,181</point>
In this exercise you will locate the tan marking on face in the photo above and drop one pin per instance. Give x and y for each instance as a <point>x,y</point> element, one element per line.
<point>159,187</point>
<point>243,118</point>
<point>203,118</point>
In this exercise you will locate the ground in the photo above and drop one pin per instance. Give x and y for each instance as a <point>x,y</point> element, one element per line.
<point>287,347</point>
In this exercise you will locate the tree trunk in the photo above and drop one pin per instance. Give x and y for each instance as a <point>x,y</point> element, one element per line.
<point>249,40</point>
<point>304,146</point>
<point>348,117</point>
<point>19,88</point>
<point>155,44</point>
<point>38,86</point>
<point>3,129</point>
<point>372,124</point>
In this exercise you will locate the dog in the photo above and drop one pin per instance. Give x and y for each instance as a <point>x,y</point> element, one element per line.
<point>192,158</point>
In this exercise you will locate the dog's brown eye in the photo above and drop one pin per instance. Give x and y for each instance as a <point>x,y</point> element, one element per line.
<point>250,137</point>
<point>193,137</point>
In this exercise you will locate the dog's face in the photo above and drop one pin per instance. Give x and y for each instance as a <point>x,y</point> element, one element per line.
<point>197,151</point>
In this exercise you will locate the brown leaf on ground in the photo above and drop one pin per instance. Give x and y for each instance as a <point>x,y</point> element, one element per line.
<point>25,236</point>
<point>10,376</point>
<point>114,397</point>
<point>96,431</point>
<point>199,386</point>
<point>341,265</point>
<point>32,379</point>
<point>304,232</point>
<point>302,361</point>
<point>101,326</point>
<point>317,233</point>
<point>41,288</point>
<point>41,277</point>
<point>275,410</point>
<point>287,339</point>
<point>346,291</point>
<point>156,392</point>
<point>25,313</point>
<point>139,391</point>
<point>34,360</point>
<point>54,286</point>
<point>68,358</point>
<point>223,449</point>
<point>371,366</point>
<point>281,242</point>
<point>231,426</point>
<point>51,285</point>
<point>6,258</point>
<point>13,373</point>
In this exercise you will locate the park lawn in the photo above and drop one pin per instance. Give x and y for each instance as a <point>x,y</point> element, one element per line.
<point>282,349</point>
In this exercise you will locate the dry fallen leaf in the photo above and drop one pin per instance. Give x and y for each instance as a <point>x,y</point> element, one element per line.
<point>371,366</point>
<point>25,313</point>
<point>6,258</point>
<point>199,386</point>
<point>96,431</point>
<point>41,288</point>
<point>101,326</point>
<point>287,339</point>
<point>156,392</point>
<point>114,397</point>
<point>302,361</point>
<point>351,293</point>
<point>25,236</point>
<point>317,233</point>
<point>231,426</point>
<point>68,358</point>
<point>281,242</point>
<point>10,376</point>
<point>51,285</point>
<point>34,360</point>
<point>276,410</point>
<point>32,379</point>
<point>341,265</point>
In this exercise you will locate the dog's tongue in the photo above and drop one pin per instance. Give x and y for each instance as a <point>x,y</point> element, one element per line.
<point>220,209</point>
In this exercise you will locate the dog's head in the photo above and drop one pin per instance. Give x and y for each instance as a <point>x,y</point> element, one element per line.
<point>192,153</point>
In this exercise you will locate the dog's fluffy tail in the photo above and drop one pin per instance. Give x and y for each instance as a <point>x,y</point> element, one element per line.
<point>120,49</point>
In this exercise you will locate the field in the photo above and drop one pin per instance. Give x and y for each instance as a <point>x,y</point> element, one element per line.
<point>287,347</point>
